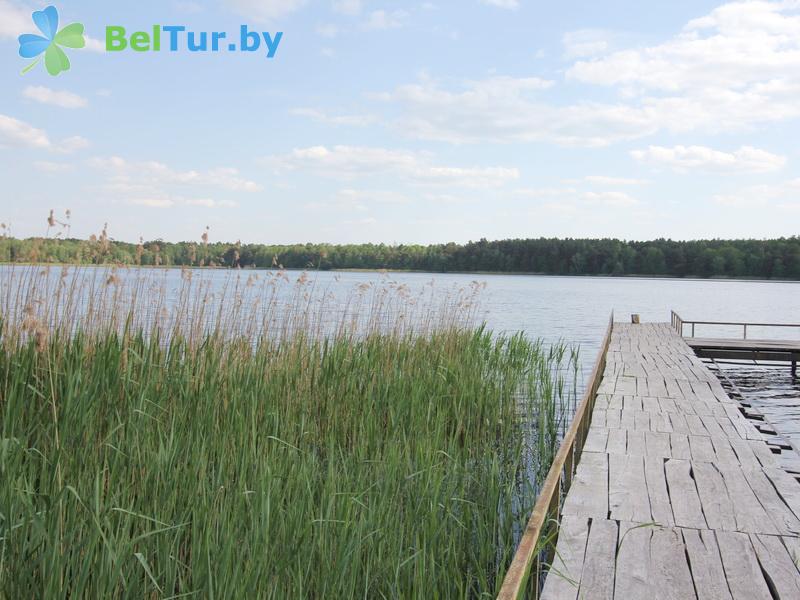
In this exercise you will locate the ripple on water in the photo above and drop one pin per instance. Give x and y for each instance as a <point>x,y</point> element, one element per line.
<point>772,390</point>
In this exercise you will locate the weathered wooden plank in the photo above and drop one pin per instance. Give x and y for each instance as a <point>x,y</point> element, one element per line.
<point>744,453</point>
<point>712,426</point>
<point>742,571</point>
<point>678,422</point>
<point>679,446</point>
<point>738,421</point>
<point>714,499</point>
<point>596,439</point>
<point>777,509</point>
<point>724,452</point>
<point>627,419</point>
<point>792,547</point>
<point>588,495</point>
<point>617,441</point>
<point>750,515</point>
<point>641,420</point>
<point>601,402</point>
<point>625,385</point>
<point>633,578</point>
<point>564,576</point>
<point>615,402</point>
<point>628,498</point>
<point>786,486</point>
<point>651,404</point>
<point>702,449</point>
<point>683,495</point>
<point>763,454</point>
<point>695,425</point>
<point>599,567</point>
<point>657,444</point>
<point>667,405</point>
<point>672,579</point>
<point>633,403</point>
<point>776,562</point>
<point>660,422</point>
<point>708,574</point>
<point>673,390</point>
<point>656,478</point>
<point>636,443</point>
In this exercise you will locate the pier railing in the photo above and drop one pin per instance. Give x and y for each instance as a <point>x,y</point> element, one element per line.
<point>542,529</point>
<point>679,324</point>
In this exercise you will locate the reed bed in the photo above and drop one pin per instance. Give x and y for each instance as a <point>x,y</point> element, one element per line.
<point>158,442</point>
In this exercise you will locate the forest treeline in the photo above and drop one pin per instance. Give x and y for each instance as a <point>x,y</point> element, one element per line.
<point>771,259</point>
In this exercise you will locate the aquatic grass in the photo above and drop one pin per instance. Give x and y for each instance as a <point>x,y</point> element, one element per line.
<point>273,460</point>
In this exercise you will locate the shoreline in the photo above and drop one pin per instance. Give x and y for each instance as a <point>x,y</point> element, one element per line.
<point>413,272</point>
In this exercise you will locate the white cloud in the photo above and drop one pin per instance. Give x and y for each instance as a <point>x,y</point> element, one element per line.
<point>168,201</point>
<point>71,144</point>
<point>328,30</point>
<point>735,46</point>
<point>686,158</point>
<point>570,198</point>
<point>610,198</point>
<point>784,195</point>
<point>545,192</point>
<point>348,7</point>
<point>733,68</point>
<point>136,175</point>
<point>328,119</point>
<point>372,196</point>
<point>604,180</point>
<point>189,7</point>
<point>508,109</point>
<point>14,20</point>
<point>156,185</point>
<point>94,45</point>
<point>508,4</point>
<point>16,133</point>
<point>585,42</point>
<point>359,200</point>
<point>730,71</point>
<point>50,167</point>
<point>45,95</point>
<point>382,19</point>
<point>354,162</point>
<point>265,10</point>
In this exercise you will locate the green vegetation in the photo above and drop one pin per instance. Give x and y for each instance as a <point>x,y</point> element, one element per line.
<point>779,258</point>
<point>209,461</point>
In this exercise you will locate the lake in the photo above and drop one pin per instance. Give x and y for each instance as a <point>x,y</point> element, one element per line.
<point>573,309</point>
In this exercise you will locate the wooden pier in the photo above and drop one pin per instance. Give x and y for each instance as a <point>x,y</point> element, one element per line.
<point>744,348</point>
<point>675,494</point>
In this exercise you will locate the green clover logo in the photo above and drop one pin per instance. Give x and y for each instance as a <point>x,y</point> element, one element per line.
<point>32,45</point>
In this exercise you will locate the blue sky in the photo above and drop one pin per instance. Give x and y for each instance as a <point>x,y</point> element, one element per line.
<point>405,122</point>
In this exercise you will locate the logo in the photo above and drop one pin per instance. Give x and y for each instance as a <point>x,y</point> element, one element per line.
<point>50,43</point>
<point>177,37</point>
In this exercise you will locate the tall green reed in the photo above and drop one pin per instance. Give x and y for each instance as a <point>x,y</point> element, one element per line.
<point>162,462</point>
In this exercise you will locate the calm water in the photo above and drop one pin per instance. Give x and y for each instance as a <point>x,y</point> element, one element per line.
<point>573,309</point>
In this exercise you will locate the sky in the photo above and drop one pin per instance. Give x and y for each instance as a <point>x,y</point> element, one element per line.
<point>411,122</point>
